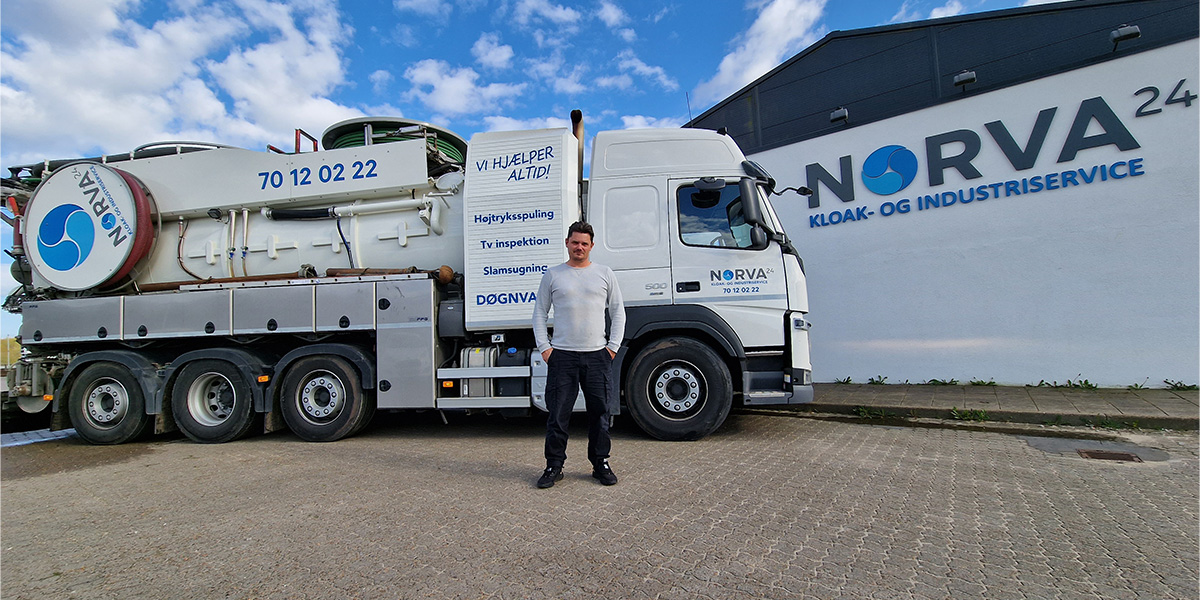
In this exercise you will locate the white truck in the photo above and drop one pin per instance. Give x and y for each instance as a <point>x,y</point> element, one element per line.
<point>218,290</point>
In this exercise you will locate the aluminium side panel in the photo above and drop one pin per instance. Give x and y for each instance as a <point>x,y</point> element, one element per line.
<point>406,348</point>
<point>178,314</point>
<point>70,320</point>
<point>345,306</point>
<point>273,309</point>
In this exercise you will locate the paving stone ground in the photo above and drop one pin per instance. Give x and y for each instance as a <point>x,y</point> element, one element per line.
<point>768,507</point>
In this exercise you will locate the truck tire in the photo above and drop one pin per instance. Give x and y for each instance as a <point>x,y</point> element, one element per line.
<point>212,402</point>
<point>322,399</point>
<point>679,389</point>
<point>106,405</point>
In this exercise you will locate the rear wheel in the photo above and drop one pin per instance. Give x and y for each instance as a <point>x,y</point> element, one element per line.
<point>679,389</point>
<point>322,399</point>
<point>212,402</point>
<point>106,405</point>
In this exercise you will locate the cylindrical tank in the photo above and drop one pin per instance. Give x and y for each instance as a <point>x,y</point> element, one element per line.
<point>384,194</point>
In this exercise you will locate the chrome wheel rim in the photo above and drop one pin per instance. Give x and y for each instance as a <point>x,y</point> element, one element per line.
<point>322,397</point>
<point>210,399</point>
<point>678,390</point>
<point>107,404</point>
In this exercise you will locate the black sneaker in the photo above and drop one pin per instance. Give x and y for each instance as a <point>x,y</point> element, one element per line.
<point>549,476</point>
<point>602,472</point>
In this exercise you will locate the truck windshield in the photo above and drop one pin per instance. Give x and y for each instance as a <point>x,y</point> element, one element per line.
<point>713,217</point>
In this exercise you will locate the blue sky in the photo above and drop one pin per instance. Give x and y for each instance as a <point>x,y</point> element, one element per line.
<point>80,77</point>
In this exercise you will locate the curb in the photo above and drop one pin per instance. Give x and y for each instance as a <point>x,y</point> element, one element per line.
<point>1004,416</point>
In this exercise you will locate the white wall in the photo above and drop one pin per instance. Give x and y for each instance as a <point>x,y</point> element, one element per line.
<point>1098,281</point>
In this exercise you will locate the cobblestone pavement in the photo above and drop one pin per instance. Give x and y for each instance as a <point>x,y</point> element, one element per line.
<point>769,507</point>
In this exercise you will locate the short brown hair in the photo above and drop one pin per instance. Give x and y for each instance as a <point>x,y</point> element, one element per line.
<point>581,227</point>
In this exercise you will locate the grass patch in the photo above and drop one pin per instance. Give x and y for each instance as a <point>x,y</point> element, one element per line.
<point>877,380</point>
<point>1081,384</point>
<point>872,413</point>
<point>968,414</point>
<point>942,382</point>
<point>842,381</point>
<point>1179,386</point>
<point>990,382</point>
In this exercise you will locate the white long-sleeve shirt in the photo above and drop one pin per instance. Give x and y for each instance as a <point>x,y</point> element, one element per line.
<point>579,297</point>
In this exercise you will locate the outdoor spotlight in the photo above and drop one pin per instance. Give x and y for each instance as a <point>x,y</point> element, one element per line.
<point>841,114</point>
<point>964,78</point>
<point>1124,33</point>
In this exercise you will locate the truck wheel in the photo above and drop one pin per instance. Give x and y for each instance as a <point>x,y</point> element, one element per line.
<point>212,402</point>
<point>106,405</point>
<point>679,389</point>
<point>322,399</point>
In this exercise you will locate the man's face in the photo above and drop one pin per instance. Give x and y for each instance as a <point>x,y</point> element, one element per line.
<point>579,245</point>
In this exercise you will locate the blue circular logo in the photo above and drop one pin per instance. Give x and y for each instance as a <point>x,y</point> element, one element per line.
<point>65,237</point>
<point>108,221</point>
<point>728,275</point>
<point>889,170</point>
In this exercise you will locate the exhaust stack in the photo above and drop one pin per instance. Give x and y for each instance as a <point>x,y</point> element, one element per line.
<point>577,131</point>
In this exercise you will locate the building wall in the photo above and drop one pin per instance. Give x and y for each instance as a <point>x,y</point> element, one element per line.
<point>1096,281</point>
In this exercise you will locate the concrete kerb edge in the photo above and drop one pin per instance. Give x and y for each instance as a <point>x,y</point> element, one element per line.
<point>1004,416</point>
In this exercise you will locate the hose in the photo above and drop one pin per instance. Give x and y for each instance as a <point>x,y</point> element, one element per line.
<point>358,138</point>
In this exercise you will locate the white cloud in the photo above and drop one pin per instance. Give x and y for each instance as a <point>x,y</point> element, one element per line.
<point>1036,2</point>
<point>429,8</point>
<point>456,91</point>
<point>627,34</point>
<point>498,123</point>
<point>906,12</point>
<point>527,12</point>
<point>490,53</point>
<point>628,61</point>
<point>379,80</point>
<point>611,14</point>
<point>245,73</point>
<point>782,28</point>
<point>642,122</point>
<point>570,83</point>
<point>619,82</point>
<point>951,8</point>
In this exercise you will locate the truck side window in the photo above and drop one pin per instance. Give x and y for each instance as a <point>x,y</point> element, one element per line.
<point>712,218</point>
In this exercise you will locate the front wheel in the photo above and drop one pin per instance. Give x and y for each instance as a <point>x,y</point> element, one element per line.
<point>212,402</point>
<point>322,399</point>
<point>679,389</point>
<point>106,405</point>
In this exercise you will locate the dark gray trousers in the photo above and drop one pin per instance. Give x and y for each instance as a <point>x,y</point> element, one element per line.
<point>567,372</point>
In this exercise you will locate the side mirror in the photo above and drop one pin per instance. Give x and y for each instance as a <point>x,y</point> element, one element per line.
<point>751,211</point>
<point>758,239</point>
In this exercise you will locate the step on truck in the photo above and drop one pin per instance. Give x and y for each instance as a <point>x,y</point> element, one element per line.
<point>219,291</point>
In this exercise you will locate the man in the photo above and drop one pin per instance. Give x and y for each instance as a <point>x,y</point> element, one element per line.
<point>580,355</point>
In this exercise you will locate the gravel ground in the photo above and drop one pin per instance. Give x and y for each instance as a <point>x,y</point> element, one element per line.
<point>769,507</point>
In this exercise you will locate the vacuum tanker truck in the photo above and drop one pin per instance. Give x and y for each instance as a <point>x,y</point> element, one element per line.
<point>218,290</point>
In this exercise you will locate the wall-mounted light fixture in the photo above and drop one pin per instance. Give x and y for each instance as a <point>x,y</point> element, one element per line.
<point>1124,33</point>
<point>962,79</point>
<point>841,114</point>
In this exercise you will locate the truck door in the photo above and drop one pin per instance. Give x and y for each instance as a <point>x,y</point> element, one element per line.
<point>715,261</point>
<point>632,229</point>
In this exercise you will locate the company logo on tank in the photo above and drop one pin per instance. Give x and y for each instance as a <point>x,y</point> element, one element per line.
<point>81,217</point>
<point>65,237</point>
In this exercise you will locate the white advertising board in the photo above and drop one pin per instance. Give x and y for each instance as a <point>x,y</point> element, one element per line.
<point>1047,231</point>
<point>521,195</point>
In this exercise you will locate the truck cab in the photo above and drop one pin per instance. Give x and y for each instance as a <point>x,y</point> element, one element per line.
<point>715,294</point>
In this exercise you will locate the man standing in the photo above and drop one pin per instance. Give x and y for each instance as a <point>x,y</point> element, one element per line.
<point>580,354</point>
